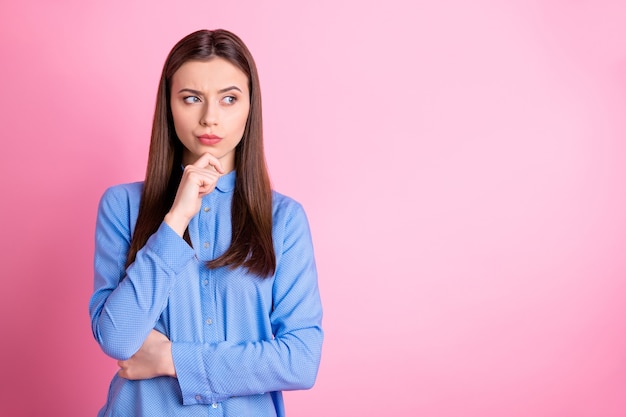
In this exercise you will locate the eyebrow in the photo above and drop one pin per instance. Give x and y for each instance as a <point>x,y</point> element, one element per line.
<point>199,93</point>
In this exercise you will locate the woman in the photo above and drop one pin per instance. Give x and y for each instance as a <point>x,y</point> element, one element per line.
<point>205,281</point>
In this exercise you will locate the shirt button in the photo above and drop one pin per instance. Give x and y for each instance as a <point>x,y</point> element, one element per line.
<point>207,209</point>
<point>205,282</point>
<point>209,321</point>
<point>198,397</point>
<point>214,405</point>
<point>206,245</point>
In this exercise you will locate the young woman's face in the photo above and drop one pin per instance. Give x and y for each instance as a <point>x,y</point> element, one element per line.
<point>210,102</point>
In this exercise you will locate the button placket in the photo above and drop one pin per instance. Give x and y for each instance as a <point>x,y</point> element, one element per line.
<point>207,244</point>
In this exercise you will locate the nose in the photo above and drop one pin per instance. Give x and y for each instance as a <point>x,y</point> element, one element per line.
<point>209,115</point>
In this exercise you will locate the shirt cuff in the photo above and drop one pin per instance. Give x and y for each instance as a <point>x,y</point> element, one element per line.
<point>192,377</point>
<point>170,248</point>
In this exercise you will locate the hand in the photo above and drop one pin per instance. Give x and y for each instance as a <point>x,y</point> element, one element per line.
<point>153,359</point>
<point>199,179</point>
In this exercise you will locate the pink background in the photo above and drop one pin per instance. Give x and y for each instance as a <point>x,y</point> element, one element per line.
<point>462,165</point>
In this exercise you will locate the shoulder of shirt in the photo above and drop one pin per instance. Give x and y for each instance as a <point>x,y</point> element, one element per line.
<point>279,199</point>
<point>130,191</point>
<point>286,206</point>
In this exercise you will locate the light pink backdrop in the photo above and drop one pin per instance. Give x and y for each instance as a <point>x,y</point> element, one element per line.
<point>462,163</point>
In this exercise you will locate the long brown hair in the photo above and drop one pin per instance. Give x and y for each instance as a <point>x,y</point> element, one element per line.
<point>251,241</point>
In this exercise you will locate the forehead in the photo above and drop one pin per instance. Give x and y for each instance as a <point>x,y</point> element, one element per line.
<point>213,74</point>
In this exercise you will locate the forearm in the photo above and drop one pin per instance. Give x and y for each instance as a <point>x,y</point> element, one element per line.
<point>123,316</point>
<point>210,373</point>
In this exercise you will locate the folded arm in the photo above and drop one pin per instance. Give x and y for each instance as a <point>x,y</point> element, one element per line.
<point>127,303</point>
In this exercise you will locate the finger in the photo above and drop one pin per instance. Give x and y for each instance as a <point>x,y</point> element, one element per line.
<point>122,371</point>
<point>204,178</point>
<point>218,166</point>
<point>201,177</point>
<point>206,188</point>
<point>203,161</point>
<point>207,160</point>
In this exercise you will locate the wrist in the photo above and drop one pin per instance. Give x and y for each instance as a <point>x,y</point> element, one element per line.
<point>177,223</point>
<point>169,369</point>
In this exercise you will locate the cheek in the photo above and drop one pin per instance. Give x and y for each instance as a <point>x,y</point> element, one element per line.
<point>243,120</point>
<point>242,123</point>
<point>180,119</point>
<point>236,123</point>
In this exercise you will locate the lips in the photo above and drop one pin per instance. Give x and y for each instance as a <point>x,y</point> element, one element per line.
<point>209,139</point>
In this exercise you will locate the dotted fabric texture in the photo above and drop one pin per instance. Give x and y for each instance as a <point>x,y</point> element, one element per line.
<point>237,340</point>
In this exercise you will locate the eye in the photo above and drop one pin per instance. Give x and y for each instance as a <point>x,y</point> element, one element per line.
<point>191,99</point>
<point>229,100</point>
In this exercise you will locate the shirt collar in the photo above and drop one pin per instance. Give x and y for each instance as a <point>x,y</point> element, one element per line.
<point>226,182</point>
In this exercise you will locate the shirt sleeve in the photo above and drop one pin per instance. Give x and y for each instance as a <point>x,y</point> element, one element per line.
<point>127,302</point>
<point>214,372</point>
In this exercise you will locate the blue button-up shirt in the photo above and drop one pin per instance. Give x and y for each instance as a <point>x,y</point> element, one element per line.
<point>237,340</point>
